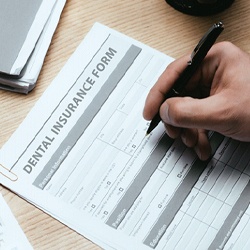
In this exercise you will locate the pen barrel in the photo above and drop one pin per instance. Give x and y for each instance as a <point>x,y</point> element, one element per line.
<point>182,81</point>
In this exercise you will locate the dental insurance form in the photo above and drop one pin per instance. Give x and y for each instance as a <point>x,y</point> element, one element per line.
<point>11,235</point>
<point>82,156</point>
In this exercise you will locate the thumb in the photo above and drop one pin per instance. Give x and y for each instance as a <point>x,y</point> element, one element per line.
<point>187,112</point>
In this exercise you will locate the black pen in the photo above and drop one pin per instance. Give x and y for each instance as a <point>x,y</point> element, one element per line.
<point>197,56</point>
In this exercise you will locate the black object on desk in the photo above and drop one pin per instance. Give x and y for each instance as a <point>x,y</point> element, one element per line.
<point>200,7</point>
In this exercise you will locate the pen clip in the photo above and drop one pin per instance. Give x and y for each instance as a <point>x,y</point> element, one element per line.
<point>210,36</point>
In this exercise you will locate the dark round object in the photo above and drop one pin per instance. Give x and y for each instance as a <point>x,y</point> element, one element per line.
<point>200,7</point>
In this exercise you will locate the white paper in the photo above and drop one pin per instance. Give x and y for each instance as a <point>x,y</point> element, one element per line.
<point>82,156</point>
<point>11,235</point>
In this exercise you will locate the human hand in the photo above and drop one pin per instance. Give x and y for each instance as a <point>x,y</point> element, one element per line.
<point>216,98</point>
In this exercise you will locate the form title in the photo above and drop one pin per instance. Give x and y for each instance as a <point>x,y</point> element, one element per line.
<point>70,109</point>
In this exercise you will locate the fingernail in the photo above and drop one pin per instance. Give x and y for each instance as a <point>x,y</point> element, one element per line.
<point>184,138</point>
<point>198,152</point>
<point>165,113</point>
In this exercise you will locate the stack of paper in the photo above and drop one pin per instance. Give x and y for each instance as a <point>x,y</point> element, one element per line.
<point>27,27</point>
<point>86,160</point>
<point>11,235</point>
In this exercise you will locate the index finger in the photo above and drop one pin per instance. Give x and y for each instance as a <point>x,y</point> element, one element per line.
<point>156,95</point>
